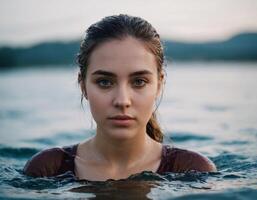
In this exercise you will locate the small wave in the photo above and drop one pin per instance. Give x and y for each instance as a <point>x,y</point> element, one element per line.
<point>147,176</point>
<point>232,176</point>
<point>231,194</point>
<point>186,136</point>
<point>235,142</point>
<point>251,131</point>
<point>25,182</point>
<point>233,162</point>
<point>215,108</point>
<point>43,141</point>
<point>62,137</point>
<point>22,152</point>
<point>191,176</point>
<point>11,114</point>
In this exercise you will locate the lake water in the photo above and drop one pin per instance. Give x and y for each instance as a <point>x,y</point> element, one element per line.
<point>207,107</point>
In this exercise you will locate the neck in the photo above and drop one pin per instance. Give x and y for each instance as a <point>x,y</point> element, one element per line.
<point>122,152</point>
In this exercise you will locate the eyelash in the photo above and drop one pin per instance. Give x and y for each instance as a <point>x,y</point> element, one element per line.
<point>144,81</point>
<point>100,82</point>
<point>106,83</point>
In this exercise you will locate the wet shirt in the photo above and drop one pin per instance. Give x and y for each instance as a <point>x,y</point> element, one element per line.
<point>57,161</point>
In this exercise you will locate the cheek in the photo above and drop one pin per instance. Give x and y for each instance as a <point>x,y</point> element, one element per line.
<point>144,103</point>
<point>146,99</point>
<point>148,95</point>
<point>97,103</point>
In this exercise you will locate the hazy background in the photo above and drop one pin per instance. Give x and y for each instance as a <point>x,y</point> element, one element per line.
<point>28,22</point>
<point>36,33</point>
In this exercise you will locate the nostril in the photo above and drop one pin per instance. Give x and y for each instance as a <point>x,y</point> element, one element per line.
<point>122,103</point>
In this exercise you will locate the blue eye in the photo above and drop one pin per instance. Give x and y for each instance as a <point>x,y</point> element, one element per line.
<point>104,83</point>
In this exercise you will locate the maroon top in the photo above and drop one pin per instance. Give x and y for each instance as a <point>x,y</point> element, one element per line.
<point>56,161</point>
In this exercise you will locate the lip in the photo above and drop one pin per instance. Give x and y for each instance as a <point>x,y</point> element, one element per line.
<point>121,120</point>
<point>122,117</point>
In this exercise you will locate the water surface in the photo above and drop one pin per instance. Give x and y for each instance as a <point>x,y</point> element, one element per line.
<point>206,107</point>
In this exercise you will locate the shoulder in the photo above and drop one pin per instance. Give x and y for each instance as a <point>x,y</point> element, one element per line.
<point>182,160</point>
<point>45,163</point>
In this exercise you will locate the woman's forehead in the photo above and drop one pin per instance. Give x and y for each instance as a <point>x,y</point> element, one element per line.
<point>129,54</point>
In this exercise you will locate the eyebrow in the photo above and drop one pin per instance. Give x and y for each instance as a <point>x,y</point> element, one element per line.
<point>107,73</point>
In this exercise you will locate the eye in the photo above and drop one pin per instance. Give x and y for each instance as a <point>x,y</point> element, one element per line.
<point>139,82</point>
<point>104,83</point>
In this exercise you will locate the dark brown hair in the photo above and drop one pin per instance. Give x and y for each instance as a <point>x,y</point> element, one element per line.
<point>119,27</point>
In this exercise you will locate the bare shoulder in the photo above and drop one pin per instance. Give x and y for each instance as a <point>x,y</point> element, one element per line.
<point>44,163</point>
<point>187,160</point>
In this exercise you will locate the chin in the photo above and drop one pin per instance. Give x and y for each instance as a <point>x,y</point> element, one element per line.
<point>121,133</point>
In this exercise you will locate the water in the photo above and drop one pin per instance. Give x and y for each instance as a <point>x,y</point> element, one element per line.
<point>206,107</point>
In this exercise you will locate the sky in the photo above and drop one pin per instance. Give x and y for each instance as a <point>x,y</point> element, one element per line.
<point>27,22</point>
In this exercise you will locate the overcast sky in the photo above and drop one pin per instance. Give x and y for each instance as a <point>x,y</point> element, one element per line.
<point>25,22</point>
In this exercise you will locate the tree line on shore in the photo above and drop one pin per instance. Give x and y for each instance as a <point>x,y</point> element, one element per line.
<point>241,47</point>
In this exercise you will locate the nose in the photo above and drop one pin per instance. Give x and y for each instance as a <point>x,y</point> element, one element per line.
<point>122,97</point>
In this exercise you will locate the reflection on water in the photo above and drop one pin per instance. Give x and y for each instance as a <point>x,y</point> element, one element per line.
<point>118,189</point>
<point>210,109</point>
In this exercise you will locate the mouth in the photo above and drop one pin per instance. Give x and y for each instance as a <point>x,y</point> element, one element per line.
<point>121,117</point>
<point>122,120</point>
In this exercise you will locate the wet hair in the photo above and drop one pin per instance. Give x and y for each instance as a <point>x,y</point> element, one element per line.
<point>119,27</point>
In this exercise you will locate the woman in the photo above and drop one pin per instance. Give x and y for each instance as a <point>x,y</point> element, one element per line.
<point>121,76</point>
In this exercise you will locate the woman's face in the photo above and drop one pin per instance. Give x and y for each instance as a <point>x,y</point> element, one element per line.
<point>121,86</point>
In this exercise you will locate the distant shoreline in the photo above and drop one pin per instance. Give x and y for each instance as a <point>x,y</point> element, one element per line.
<point>241,47</point>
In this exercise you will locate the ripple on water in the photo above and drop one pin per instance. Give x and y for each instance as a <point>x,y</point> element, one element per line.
<point>228,161</point>
<point>168,185</point>
<point>235,171</point>
<point>216,108</point>
<point>250,131</point>
<point>186,136</point>
<point>230,194</point>
<point>61,138</point>
<point>22,152</point>
<point>12,114</point>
